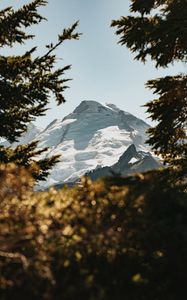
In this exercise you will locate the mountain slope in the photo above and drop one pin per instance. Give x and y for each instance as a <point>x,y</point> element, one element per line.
<point>93,136</point>
<point>130,162</point>
<point>30,135</point>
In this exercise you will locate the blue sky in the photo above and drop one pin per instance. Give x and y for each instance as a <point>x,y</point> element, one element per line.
<point>102,70</point>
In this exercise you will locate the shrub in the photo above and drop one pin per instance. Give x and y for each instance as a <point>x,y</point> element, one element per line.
<point>99,240</point>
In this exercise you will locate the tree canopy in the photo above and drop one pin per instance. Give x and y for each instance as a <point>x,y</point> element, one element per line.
<point>158,30</point>
<point>28,81</point>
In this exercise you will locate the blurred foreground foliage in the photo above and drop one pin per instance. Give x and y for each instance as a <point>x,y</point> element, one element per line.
<point>110,239</point>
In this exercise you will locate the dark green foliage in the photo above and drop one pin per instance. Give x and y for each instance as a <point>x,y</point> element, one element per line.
<point>24,155</point>
<point>12,22</point>
<point>159,30</point>
<point>161,35</point>
<point>107,240</point>
<point>168,137</point>
<point>27,82</point>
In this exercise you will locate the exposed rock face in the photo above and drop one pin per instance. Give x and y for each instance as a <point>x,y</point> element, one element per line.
<point>124,160</point>
<point>93,136</point>
<point>130,162</point>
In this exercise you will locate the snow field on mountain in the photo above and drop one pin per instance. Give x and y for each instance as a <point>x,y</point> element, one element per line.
<point>93,135</point>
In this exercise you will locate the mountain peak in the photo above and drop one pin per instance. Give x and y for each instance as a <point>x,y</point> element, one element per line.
<point>89,106</point>
<point>124,159</point>
<point>95,134</point>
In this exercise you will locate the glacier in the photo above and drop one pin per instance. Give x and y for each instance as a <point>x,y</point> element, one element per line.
<point>94,135</point>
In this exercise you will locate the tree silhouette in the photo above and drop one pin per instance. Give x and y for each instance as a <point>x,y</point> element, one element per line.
<point>27,83</point>
<point>159,31</point>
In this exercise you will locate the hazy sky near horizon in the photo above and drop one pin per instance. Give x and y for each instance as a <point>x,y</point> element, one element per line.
<point>102,70</point>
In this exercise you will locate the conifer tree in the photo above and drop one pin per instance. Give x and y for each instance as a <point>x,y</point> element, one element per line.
<point>158,30</point>
<point>27,83</point>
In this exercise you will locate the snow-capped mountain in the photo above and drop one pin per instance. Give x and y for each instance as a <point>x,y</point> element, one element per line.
<point>30,135</point>
<point>93,136</point>
<point>131,161</point>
